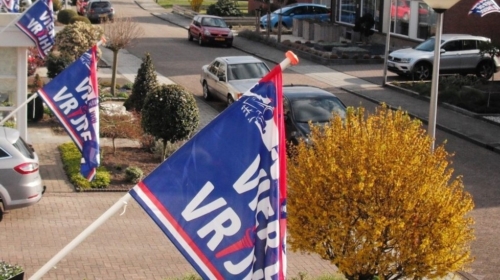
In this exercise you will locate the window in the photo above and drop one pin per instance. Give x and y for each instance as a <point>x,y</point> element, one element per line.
<point>247,71</point>
<point>452,46</point>
<point>469,45</point>
<point>24,148</point>
<point>3,154</point>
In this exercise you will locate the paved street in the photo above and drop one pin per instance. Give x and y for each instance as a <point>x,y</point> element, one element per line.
<point>131,246</point>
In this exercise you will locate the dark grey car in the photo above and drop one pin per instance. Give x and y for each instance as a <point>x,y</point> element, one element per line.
<point>302,104</point>
<point>20,181</point>
<point>99,11</point>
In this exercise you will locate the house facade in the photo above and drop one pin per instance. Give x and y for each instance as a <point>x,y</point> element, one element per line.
<point>14,46</point>
<point>411,21</point>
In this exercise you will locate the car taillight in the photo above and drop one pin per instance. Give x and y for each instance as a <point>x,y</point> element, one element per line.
<point>26,168</point>
<point>239,95</point>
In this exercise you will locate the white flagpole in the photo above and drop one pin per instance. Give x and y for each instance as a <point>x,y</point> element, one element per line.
<point>75,242</point>
<point>18,108</point>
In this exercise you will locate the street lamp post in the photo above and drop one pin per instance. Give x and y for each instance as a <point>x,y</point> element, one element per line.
<point>439,6</point>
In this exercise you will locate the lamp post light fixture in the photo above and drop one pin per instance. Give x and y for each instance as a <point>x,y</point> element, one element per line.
<point>439,6</point>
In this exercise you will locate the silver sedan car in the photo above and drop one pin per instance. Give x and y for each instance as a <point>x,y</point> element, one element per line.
<point>20,181</point>
<point>228,78</point>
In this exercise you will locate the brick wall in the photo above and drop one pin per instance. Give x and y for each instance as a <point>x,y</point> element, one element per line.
<point>457,20</point>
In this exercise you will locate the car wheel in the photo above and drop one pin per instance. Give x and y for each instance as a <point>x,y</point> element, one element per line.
<point>484,70</point>
<point>229,45</point>
<point>200,41</point>
<point>190,37</point>
<point>230,100</point>
<point>206,91</point>
<point>422,71</point>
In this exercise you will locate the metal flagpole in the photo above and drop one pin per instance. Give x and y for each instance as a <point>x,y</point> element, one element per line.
<point>387,14</point>
<point>75,242</point>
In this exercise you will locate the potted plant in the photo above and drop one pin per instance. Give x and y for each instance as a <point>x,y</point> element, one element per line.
<point>10,272</point>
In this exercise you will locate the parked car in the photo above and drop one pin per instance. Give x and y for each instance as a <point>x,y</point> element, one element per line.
<point>459,55</point>
<point>207,29</point>
<point>227,78</point>
<point>20,181</point>
<point>296,11</point>
<point>99,11</point>
<point>302,104</point>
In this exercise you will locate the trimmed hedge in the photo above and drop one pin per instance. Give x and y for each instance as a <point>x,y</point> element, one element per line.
<point>79,18</point>
<point>71,157</point>
<point>65,16</point>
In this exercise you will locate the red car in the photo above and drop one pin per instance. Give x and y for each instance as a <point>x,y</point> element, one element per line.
<point>402,10</point>
<point>208,29</point>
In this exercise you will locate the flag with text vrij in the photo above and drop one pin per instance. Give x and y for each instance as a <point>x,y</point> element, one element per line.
<point>221,198</point>
<point>74,99</point>
<point>38,23</point>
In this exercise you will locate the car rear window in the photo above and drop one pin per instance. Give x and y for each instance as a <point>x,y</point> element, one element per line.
<point>22,147</point>
<point>101,5</point>
<point>247,71</point>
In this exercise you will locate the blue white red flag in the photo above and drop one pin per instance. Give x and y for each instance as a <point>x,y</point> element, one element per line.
<point>74,99</point>
<point>38,23</point>
<point>484,7</point>
<point>221,198</point>
<point>11,6</point>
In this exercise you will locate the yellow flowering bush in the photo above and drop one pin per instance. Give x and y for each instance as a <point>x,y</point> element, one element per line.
<point>368,194</point>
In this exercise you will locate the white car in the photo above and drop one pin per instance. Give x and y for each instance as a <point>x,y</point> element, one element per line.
<point>228,78</point>
<point>460,54</point>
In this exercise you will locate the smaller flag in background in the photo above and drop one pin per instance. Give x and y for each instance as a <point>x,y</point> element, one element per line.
<point>12,6</point>
<point>38,23</point>
<point>74,99</point>
<point>484,7</point>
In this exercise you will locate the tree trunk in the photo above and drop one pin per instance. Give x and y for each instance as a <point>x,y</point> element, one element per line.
<point>113,71</point>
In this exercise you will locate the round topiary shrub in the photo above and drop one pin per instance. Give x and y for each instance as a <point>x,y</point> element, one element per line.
<point>133,174</point>
<point>56,5</point>
<point>56,63</point>
<point>79,18</point>
<point>65,16</point>
<point>170,113</point>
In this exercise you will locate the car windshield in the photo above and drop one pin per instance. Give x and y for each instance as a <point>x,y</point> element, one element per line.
<point>247,71</point>
<point>316,109</point>
<point>213,22</point>
<point>427,46</point>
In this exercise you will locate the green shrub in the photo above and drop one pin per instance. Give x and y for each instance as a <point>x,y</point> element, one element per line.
<point>79,18</point>
<point>8,271</point>
<point>145,82</point>
<point>56,5</point>
<point>133,174</point>
<point>11,124</point>
<point>170,113</point>
<point>65,16</point>
<point>56,63</point>
<point>122,95</point>
<point>224,8</point>
<point>77,38</point>
<point>128,86</point>
<point>71,157</point>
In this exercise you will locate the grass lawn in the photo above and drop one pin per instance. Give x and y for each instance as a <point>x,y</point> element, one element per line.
<point>242,5</point>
